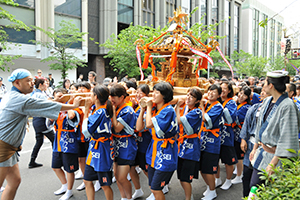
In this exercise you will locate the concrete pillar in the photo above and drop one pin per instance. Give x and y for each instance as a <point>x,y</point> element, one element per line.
<point>240,28</point>
<point>38,35</point>
<point>192,6</point>
<point>208,12</point>
<point>99,64</point>
<point>198,13</point>
<point>232,28</point>
<point>108,21</point>
<point>84,25</point>
<point>136,16</point>
<point>163,11</point>
<point>178,3</point>
<point>50,15</point>
<point>140,13</point>
<point>157,13</point>
<point>221,27</point>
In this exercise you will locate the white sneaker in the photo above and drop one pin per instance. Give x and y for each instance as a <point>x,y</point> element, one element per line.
<point>151,197</point>
<point>81,187</point>
<point>114,179</point>
<point>138,169</point>
<point>128,177</point>
<point>62,189</point>
<point>165,190</point>
<point>79,175</point>
<point>237,180</point>
<point>211,195</point>
<point>67,195</point>
<point>2,188</point>
<point>206,191</point>
<point>97,186</point>
<point>138,193</point>
<point>235,170</point>
<point>226,185</point>
<point>218,182</point>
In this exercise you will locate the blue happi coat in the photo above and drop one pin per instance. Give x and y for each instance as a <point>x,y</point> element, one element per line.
<point>189,142</point>
<point>66,134</point>
<point>227,134</point>
<point>144,137</point>
<point>99,155</point>
<point>125,146</point>
<point>162,152</point>
<point>240,117</point>
<point>210,139</point>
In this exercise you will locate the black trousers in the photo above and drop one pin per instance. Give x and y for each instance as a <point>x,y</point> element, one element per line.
<point>255,180</point>
<point>39,140</point>
<point>247,173</point>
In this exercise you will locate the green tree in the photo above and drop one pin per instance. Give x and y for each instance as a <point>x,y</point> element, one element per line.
<point>61,41</point>
<point>279,63</point>
<point>246,63</point>
<point>122,50</point>
<point>284,183</point>
<point>219,63</point>
<point>290,68</point>
<point>15,24</point>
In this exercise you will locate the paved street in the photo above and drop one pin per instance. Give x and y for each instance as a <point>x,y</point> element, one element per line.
<point>40,183</point>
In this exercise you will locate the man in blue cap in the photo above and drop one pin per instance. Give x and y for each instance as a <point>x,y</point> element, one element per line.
<point>2,89</point>
<point>15,108</point>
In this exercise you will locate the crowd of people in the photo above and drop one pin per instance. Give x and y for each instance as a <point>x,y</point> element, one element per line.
<point>245,124</point>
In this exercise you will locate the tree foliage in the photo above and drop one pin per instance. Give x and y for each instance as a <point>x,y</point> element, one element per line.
<point>62,59</point>
<point>219,63</point>
<point>280,63</point>
<point>246,63</point>
<point>15,24</point>
<point>284,183</point>
<point>122,50</point>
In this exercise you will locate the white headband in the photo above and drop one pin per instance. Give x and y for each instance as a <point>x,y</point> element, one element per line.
<point>277,74</point>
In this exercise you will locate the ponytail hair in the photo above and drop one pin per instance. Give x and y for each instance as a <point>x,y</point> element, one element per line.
<point>145,89</point>
<point>109,108</point>
<point>118,90</point>
<point>279,83</point>
<point>102,93</point>
<point>38,81</point>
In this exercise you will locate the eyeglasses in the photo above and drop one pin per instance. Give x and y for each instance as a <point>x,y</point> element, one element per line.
<point>39,72</point>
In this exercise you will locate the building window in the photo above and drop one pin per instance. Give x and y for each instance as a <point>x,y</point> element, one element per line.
<point>203,4</point>
<point>69,10</point>
<point>227,28</point>
<point>272,39</point>
<point>26,13</point>
<point>279,35</point>
<point>125,11</point>
<point>236,27</point>
<point>214,13</point>
<point>148,12</point>
<point>170,7</point>
<point>69,7</point>
<point>255,26</point>
<point>27,3</point>
<point>264,37</point>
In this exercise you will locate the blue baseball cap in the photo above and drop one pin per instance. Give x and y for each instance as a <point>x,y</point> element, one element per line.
<point>1,79</point>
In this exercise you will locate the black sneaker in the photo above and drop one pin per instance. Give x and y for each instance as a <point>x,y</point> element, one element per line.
<point>34,165</point>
